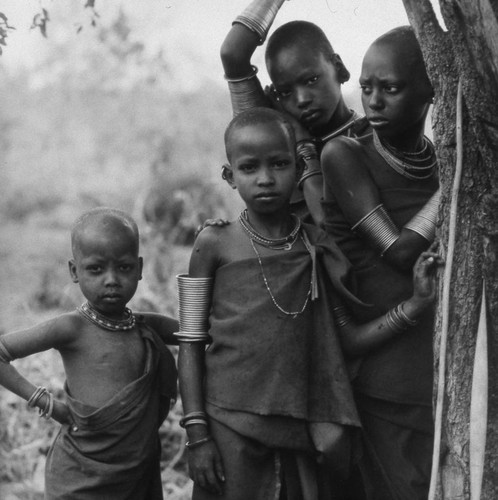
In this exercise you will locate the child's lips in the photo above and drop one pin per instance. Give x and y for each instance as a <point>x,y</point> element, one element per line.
<point>310,116</point>
<point>378,122</point>
<point>112,296</point>
<point>266,196</point>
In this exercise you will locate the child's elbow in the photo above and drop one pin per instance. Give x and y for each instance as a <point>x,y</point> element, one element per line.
<point>230,57</point>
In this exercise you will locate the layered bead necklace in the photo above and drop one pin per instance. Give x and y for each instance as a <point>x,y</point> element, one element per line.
<point>416,166</point>
<point>285,243</point>
<point>89,312</point>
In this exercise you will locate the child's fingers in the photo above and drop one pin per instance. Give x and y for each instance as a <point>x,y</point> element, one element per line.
<point>218,467</point>
<point>213,484</point>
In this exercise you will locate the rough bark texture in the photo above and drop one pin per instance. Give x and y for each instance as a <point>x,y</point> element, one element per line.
<point>468,50</point>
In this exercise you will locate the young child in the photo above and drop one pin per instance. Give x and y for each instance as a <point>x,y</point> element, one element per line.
<point>260,292</point>
<point>120,377</point>
<point>306,77</point>
<point>381,203</point>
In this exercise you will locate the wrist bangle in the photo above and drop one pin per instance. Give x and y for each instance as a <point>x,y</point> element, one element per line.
<point>49,407</point>
<point>195,421</point>
<point>193,415</point>
<point>35,397</point>
<point>404,316</point>
<point>199,442</point>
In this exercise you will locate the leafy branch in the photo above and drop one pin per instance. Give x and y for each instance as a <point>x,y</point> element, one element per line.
<point>4,30</point>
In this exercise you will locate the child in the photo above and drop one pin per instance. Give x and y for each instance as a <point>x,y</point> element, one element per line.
<point>272,382</point>
<point>381,204</point>
<point>120,376</point>
<point>306,77</point>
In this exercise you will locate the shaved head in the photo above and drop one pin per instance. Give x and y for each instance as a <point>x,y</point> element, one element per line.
<point>256,117</point>
<point>404,46</point>
<point>104,220</point>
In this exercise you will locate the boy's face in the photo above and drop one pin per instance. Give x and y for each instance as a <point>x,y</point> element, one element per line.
<point>107,268</point>
<point>395,99</point>
<point>307,85</point>
<point>263,166</point>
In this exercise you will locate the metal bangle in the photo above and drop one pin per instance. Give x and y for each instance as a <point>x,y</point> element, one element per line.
<point>377,228</point>
<point>424,222</point>
<point>259,15</point>
<point>199,442</point>
<point>246,92</point>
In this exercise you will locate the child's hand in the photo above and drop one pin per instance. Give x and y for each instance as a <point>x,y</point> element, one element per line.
<point>211,222</point>
<point>424,272</point>
<point>61,413</point>
<point>206,467</point>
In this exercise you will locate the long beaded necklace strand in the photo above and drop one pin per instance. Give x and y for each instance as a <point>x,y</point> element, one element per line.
<point>417,166</point>
<point>278,244</point>
<point>294,314</point>
<point>285,243</point>
<point>114,325</point>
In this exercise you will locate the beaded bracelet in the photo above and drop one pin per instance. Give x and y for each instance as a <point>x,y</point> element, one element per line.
<point>199,442</point>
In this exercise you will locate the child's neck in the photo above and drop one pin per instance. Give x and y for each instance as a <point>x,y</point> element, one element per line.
<point>409,142</point>
<point>272,225</point>
<point>341,116</point>
<point>115,322</point>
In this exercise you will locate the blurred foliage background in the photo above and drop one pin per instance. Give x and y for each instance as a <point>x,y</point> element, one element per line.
<point>100,121</point>
<point>122,107</point>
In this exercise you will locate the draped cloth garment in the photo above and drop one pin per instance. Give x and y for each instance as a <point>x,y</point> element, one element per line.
<point>274,378</point>
<point>113,452</point>
<point>393,385</point>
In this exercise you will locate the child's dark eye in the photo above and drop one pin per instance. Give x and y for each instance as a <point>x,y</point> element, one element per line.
<point>125,267</point>
<point>391,89</point>
<point>247,168</point>
<point>366,89</point>
<point>312,79</point>
<point>281,163</point>
<point>94,269</point>
<point>283,93</point>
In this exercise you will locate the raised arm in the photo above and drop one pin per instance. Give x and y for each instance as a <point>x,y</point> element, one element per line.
<point>249,30</point>
<point>205,466</point>
<point>358,340</point>
<point>51,334</point>
<point>354,190</point>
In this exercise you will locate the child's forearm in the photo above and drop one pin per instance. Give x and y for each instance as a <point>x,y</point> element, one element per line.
<point>13,381</point>
<point>358,340</point>
<point>191,375</point>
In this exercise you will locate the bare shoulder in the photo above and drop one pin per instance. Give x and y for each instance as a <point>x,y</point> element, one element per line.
<point>343,148</point>
<point>214,247</point>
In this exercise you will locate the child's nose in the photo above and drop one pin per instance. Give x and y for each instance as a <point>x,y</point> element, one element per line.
<point>111,277</point>
<point>375,101</point>
<point>265,176</point>
<point>303,98</point>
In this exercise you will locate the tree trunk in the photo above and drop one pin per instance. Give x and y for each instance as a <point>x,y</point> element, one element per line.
<point>467,51</point>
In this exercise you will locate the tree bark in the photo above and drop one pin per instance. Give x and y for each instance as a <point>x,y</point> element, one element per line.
<point>468,50</point>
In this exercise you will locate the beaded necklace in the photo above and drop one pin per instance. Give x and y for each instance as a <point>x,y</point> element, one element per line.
<point>280,244</point>
<point>114,325</point>
<point>417,166</point>
<point>285,243</point>
<point>348,126</point>
<point>294,314</point>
